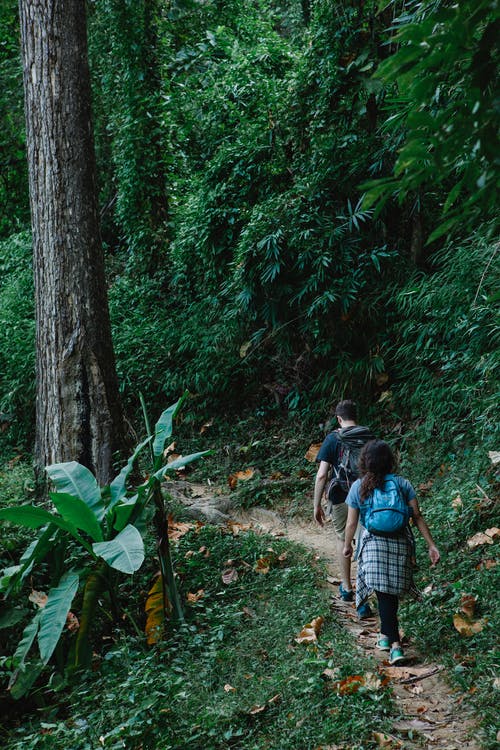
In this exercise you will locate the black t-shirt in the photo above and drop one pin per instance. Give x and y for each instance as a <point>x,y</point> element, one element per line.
<point>330,452</point>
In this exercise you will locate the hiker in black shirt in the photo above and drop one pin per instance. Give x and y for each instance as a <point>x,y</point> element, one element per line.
<point>333,465</point>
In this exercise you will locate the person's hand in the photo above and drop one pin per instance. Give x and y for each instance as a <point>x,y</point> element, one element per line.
<point>319,515</point>
<point>434,555</point>
<point>347,551</point>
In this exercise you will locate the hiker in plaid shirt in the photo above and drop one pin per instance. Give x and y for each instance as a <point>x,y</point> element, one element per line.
<point>384,562</point>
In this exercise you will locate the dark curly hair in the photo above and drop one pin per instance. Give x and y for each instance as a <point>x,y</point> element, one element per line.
<point>375,461</point>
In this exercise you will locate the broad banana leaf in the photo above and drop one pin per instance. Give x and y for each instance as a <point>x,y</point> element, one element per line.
<point>156,608</point>
<point>177,464</point>
<point>74,479</point>
<point>122,512</point>
<point>118,485</point>
<point>29,635</point>
<point>32,516</point>
<point>53,615</point>
<point>163,428</point>
<point>125,552</point>
<point>22,679</point>
<point>77,513</point>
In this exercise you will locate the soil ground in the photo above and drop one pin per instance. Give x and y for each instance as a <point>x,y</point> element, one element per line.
<point>430,713</point>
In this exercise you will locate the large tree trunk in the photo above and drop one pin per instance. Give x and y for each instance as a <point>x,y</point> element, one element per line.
<point>78,413</point>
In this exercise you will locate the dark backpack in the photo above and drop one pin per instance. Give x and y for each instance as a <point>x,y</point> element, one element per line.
<point>387,511</point>
<point>346,472</point>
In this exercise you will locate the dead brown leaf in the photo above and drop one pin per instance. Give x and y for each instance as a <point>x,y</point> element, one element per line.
<point>240,476</point>
<point>457,503</point>
<point>206,426</point>
<point>312,451</point>
<point>229,576</point>
<point>39,598</point>
<point>193,598</point>
<point>468,605</point>
<point>176,530</point>
<point>72,622</point>
<point>425,487</point>
<point>385,740</point>
<point>494,457</point>
<point>229,688</point>
<point>310,632</point>
<point>487,564</point>
<point>237,528</point>
<point>169,449</point>
<point>348,685</point>
<point>263,564</point>
<point>467,627</point>
<point>487,537</point>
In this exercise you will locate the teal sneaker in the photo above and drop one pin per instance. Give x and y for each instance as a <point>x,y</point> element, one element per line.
<point>364,611</point>
<point>346,596</point>
<point>383,643</point>
<point>396,656</point>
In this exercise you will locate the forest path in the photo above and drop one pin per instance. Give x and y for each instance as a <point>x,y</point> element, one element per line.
<point>430,713</point>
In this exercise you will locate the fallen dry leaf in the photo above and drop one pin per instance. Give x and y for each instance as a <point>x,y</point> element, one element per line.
<point>468,605</point>
<point>385,740</point>
<point>237,528</point>
<point>206,426</point>
<point>310,632</point>
<point>312,451</point>
<point>348,685</point>
<point>467,627</point>
<point>204,551</point>
<point>405,673</point>
<point>494,457</point>
<point>39,598</point>
<point>330,674</point>
<point>229,576</point>
<point>486,537</point>
<point>229,688</point>
<point>457,503</point>
<point>487,564</point>
<point>193,598</point>
<point>425,486</point>
<point>176,530</point>
<point>169,449</point>
<point>240,476</point>
<point>263,565</point>
<point>275,476</point>
<point>72,622</point>
<point>248,612</point>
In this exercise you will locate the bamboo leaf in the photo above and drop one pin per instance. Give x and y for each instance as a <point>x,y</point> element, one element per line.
<point>74,479</point>
<point>125,552</point>
<point>53,615</point>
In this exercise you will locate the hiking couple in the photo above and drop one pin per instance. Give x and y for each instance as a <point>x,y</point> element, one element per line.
<point>384,552</point>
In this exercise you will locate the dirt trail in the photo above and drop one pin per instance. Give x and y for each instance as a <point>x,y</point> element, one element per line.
<point>431,714</point>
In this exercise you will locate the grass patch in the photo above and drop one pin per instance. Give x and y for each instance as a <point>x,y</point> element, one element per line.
<point>231,677</point>
<point>462,501</point>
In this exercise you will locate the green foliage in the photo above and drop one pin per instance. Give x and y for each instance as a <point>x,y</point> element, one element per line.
<point>462,501</point>
<point>239,635</point>
<point>446,355</point>
<point>91,517</point>
<point>14,206</point>
<point>443,79</point>
<point>17,331</point>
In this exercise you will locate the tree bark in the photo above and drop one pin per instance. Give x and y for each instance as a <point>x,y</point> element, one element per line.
<point>78,412</point>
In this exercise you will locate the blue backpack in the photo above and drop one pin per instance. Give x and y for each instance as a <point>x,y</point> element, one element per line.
<point>387,511</point>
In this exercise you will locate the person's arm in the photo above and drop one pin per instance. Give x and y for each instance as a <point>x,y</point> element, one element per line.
<point>350,529</point>
<point>319,486</point>
<point>421,525</point>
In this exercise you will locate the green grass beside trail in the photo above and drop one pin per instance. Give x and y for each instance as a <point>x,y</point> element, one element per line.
<point>232,677</point>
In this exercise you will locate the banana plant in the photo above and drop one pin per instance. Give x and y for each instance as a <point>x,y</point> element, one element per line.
<point>106,525</point>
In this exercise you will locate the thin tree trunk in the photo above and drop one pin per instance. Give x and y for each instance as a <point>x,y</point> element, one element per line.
<point>78,408</point>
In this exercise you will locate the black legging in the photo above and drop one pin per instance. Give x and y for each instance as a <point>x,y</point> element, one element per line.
<point>388,611</point>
